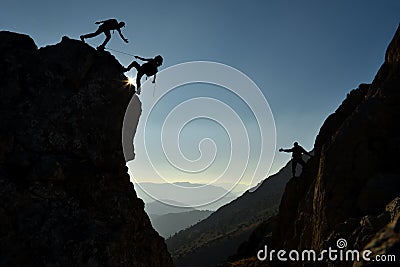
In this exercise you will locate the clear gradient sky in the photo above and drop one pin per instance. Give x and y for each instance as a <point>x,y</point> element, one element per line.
<point>305,56</point>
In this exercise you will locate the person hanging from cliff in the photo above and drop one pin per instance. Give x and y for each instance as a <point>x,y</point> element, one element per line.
<point>297,152</point>
<point>149,68</point>
<point>106,27</point>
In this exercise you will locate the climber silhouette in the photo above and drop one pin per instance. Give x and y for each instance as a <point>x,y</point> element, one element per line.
<point>297,152</point>
<point>150,68</point>
<point>105,27</point>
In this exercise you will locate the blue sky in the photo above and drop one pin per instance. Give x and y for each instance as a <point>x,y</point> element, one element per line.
<point>305,56</point>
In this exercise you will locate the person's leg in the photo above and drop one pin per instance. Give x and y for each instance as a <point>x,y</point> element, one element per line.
<point>133,64</point>
<point>302,163</point>
<point>139,76</point>
<point>108,37</point>
<point>90,35</point>
<point>294,164</point>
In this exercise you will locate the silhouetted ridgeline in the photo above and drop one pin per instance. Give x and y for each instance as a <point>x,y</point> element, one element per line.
<point>351,188</point>
<point>65,195</point>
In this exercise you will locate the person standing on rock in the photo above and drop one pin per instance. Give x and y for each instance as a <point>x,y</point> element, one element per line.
<point>106,27</point>
<point>150,68</point>
<point>297,152</point>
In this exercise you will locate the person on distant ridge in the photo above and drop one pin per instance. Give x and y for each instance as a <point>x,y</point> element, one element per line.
<point>150,68</point>
<point>105,27</point>
<point>297,152</point>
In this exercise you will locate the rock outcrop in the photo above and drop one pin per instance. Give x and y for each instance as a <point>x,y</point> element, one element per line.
<point>351,187</point>
<point>65,195</point>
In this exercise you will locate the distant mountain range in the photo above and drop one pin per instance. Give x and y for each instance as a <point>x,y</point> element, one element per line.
<point>171,223</point>
<point>176,207</point>
<point>219,235</point>
<point>183,194</point>
<point>157,208</point>
<point>168,220</point>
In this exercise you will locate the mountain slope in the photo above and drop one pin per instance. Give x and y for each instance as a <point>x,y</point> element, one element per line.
<point>351,188</point>
<point>213,239</point>
<point>65,195</point>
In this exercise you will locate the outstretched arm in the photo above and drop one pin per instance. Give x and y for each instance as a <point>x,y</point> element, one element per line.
<point>120,34</point>
<point>305,152</point>
<point>101,21</point>
<point>285,150</point>
<point>308,154</point>
<point>142,58</point>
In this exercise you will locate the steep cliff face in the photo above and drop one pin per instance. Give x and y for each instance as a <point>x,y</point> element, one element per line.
<point>65,195</point>
<point>351,186</point>
<point>357,162</point>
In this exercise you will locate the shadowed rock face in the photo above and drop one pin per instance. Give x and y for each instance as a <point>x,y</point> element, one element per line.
<point>351,187</point>
<point>65,195</point>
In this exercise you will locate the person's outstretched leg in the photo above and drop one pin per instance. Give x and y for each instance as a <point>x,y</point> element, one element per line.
<point>90,35</point>
<point>108,37</point>
<point>133,64</point>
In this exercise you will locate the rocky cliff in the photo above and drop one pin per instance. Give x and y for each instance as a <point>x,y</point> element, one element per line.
<point>351,187</point>
<point>65,195</point>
